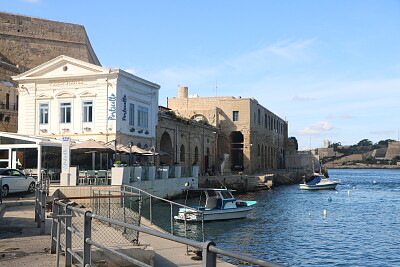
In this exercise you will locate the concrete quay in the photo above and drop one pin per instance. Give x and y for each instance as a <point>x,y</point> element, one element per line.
<point>21,243</point>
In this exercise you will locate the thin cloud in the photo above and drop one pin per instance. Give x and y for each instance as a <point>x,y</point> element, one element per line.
<point>383,132</point>
<point>344,117</point>
<point>302,99</point>
<point>315,129</point>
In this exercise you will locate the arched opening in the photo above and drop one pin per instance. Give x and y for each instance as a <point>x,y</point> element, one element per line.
<point>182,154</point>
<point>166,146</point>
<point>7,101</point>
<point>236,139</point>
<point>200,118</point>
<point>196,155</point>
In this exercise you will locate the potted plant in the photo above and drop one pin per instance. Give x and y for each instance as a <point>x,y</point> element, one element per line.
<point>117,163</point>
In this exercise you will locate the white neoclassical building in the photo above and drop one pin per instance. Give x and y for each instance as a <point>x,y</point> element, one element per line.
<point>70,97</point>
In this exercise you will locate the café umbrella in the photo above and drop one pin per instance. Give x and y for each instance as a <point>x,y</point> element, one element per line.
<point>92,146</point>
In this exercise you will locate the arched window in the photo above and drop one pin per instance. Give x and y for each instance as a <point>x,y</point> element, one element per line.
<point>196,155</point>
<point>182,153</point>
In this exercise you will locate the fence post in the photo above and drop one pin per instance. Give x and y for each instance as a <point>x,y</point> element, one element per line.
<point>43,212</point>
<point>209,258</point>
<point>54,226</point>
<point>151,213</point>
<point>87,234</point>
<point>37,203</point>
<point>68,237</point>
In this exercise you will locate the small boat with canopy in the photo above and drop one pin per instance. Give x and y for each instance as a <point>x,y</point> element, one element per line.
<point>220,204</point>
<point>319,182</point>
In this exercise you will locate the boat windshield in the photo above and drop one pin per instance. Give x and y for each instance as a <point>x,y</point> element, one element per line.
<point>226,194</point>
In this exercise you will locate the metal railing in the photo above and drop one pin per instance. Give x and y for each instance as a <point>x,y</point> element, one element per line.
<point>41,193</point>
<point>63,218</point>
<point>172,204</point>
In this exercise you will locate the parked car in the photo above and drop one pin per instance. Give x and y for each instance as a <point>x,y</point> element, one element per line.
<point>15,181</point>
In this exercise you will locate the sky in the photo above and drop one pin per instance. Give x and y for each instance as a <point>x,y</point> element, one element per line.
<point>330,68</point>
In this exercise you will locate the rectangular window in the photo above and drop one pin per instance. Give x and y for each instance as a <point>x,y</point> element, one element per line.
<point>87,111</point>
<point>65,112</point>
<point>143,117</point>
<point>235,115</point>
<point>44,113</point>
<point>131,114</point>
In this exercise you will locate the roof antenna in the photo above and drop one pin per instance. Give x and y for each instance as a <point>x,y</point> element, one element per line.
<point>216,88</point>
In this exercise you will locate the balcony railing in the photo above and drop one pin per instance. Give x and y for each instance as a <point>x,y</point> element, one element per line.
<point>9,106</point>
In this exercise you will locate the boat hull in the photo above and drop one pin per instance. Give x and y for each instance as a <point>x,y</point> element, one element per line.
<point>319,186</point>
<point>214,214</point>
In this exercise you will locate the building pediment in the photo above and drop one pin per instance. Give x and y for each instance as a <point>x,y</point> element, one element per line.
<point>62,67</point>
<point>65,95</point>
<point>44,97</point>
<point>87,94</point>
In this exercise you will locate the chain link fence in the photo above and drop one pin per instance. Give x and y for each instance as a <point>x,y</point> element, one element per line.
<point>116,205</point>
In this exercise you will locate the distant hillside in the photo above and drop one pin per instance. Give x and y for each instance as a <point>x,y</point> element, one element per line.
<point>383,154</point>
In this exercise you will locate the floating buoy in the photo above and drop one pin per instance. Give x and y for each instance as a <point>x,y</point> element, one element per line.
<point>337,192</point>
<point>329,199</point>
<point>374,182</point>
<point>348,192</point>
<point>324,212</point>
<point>309,214</point>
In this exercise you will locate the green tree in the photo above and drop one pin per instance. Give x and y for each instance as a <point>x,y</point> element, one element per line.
<point>364,142</point>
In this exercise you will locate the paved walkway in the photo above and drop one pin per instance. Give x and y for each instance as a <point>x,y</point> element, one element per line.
<point>20,241</point>
<point>21,244</point>
<point>170,253</point>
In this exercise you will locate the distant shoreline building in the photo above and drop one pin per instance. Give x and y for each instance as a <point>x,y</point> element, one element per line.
<point>251,139</point>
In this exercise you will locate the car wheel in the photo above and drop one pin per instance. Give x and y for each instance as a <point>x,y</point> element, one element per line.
<point>31,188</point>
<point>4,191</point>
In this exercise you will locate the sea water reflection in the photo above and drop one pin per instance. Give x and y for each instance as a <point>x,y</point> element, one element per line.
<point>361,228</point>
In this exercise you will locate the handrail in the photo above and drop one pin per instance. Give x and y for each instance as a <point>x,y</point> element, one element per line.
<point>160,198</point>
<point>209,248</point>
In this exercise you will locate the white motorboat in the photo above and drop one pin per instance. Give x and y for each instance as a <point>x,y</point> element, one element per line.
<point>319,182</point>
<point>220,205</point>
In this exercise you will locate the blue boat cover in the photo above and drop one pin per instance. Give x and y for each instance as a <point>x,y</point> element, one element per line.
<point>314,181</point>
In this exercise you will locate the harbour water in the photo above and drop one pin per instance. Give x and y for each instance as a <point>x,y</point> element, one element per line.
<point>288,226</point>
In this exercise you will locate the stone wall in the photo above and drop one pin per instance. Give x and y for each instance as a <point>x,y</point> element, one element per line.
<point>26,42</point>
<point>393,150</point>
<point>195,140</point>
<point>264,134</point>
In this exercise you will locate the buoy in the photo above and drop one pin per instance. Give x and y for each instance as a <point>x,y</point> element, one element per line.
<point>324,212</point>
<point>374,182</point>
<point>337,192</point>
<point>348,192</point>
<point>329,199</point>
<point>309,214</point>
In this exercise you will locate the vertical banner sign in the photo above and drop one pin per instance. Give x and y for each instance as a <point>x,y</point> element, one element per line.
<point>65,154</point>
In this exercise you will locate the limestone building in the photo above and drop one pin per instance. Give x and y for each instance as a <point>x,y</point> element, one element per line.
<point>187,142</point>
<point>70,97</point>
<point>251,138</point>
<point>26,42</point>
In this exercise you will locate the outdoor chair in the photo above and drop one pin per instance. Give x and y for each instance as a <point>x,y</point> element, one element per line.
<point>102,177</point>
<point>82,178</point>
<point>91,177</point>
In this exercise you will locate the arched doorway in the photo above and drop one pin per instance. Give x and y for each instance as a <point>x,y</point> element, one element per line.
<point>236,139</point>
<point>166,146</point>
